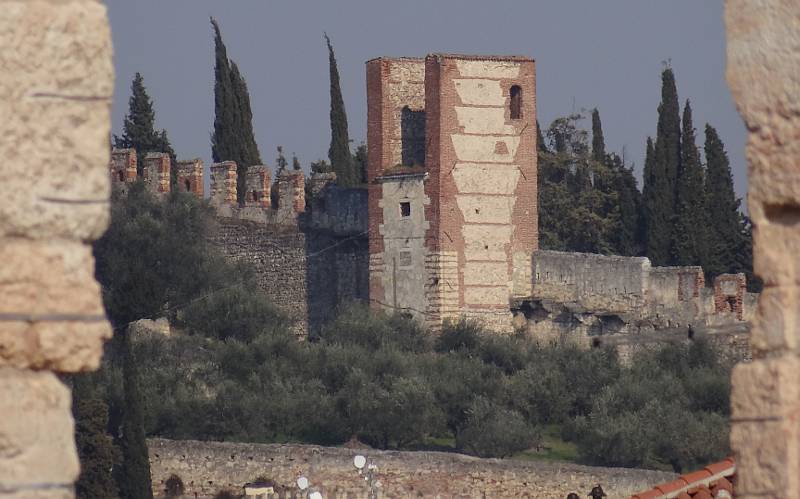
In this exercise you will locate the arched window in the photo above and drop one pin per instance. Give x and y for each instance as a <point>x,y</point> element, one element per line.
<point>121,175</point>
<point>188,185</point>
<point>516,102</point>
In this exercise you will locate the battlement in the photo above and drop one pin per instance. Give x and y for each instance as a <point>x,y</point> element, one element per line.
<point>190,177</point>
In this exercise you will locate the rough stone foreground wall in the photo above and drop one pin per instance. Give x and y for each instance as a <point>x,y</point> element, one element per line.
<point>55,99</point>
<point>764,76</point>
<point>207,467</point>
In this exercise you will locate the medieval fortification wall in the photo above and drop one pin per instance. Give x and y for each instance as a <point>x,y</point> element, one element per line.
<point>208,467</point>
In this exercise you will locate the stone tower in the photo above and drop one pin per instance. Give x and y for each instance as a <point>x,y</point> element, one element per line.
<point>452,185</point>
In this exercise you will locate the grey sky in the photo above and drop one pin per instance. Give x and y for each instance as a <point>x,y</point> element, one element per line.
<point>606,54</point>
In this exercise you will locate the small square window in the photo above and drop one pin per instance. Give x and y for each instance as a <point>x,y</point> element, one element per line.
<point>405,209</point>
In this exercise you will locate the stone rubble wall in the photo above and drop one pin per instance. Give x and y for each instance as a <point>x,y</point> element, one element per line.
<point>55,99</point>
<point>208,467</point>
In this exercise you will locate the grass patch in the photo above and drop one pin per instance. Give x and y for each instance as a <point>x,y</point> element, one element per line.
<point>553,448</point>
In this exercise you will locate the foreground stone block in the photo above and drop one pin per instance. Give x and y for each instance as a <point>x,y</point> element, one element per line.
<point>766,389</point>
<point>55,100</point>
<point>51,311</point>
<point>37,451</point>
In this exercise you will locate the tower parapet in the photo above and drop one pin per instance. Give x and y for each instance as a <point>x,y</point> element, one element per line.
<point>223,183</point>
<point>156,172</point>
<point>291,193</point>
<point>122,168</point>
<point>190,177</point>
<point>259,183</point>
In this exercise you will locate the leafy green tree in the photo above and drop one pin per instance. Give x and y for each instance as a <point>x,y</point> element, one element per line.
<point>233,138</point>
<point>339,151</point>
<point>96,448</point>
<point>134,474</point>
<point>660,183</point>
<point>689,245</point>
<point>494,431</point>
<point>138,129</point>
<point>155,255</point>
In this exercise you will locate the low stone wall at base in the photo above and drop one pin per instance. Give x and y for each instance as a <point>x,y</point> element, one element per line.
<point>208,467</point>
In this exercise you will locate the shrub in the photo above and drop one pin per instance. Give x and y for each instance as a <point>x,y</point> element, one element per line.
<point>173,487</point>
<point>493,431</point>
<point>461,335</point>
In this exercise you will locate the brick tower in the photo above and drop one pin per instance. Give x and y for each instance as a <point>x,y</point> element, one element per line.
<point>452,185</point>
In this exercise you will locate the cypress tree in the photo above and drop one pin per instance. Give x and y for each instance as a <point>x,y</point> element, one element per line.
<point>233,138</point>
<point>134,475</point>
<point>598,142</point>
<point>96,449</point>
<point>660,194</point>
<point>360,161</point>
<point>296,163</point>
<point>689,236</point>
<point>138,128</point>
<point>628,237</point>
<point>339,151</point>
<point>726,226</point>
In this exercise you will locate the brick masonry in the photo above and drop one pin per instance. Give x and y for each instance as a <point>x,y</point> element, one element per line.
<point>465,246</point>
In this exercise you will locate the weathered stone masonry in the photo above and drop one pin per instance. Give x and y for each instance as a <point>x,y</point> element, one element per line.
<point>453,236</point>
<point>55,99</point>
<point>208,467</point>
<point>307,262</point>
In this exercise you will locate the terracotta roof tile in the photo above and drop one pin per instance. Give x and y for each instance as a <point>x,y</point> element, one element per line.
<point>711,482</point>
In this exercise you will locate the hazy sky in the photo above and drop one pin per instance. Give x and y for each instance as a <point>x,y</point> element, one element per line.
<point>588,54</point>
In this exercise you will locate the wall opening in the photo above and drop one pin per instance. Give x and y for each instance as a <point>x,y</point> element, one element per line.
<point>516,102</point>
<point>255,195</point>
<point>188,185</point>
<point>121,175</point>
<point>405,209</point>
<point>412,136</point>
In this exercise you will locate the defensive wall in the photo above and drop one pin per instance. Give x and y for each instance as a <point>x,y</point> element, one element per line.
<point>624,301</point>
<point>308,257</point>
<point>208,467</point>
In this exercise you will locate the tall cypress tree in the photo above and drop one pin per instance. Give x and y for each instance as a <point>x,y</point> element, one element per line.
<point>690,229</point>
<point>134,474</point>
<point>726,227</point>
<point>339,151</point>
<point>95,446</point>
<point>627,240</point>
<point>138,128</point>
<point>233,138</point>
<point>660,194</point>
<point>598,142</point>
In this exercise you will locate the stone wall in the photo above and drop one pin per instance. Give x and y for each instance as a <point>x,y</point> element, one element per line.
<point>308,265</point>
<point>207,467</point>
<point>55,99</point>
<point>763,71</point>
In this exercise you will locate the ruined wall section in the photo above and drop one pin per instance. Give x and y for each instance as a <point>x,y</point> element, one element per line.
<point>482,165</point>
<point>597,282</point>
<point>208,467</point>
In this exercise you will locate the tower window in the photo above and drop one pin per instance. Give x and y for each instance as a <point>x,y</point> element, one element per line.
<point>188,185</point>
<point>121,175</point>
<point>516,102</point>
<point>405,209</point>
